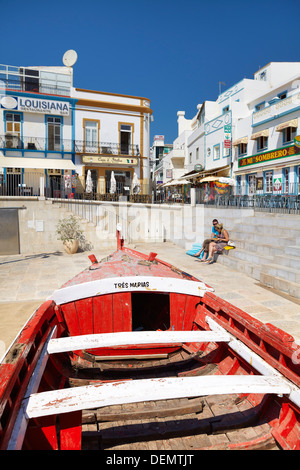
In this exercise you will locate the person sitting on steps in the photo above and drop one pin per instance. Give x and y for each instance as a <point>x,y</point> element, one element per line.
<point>206,243</point>
<point>218,245</point>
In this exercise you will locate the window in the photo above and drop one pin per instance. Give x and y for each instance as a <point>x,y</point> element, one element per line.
<point>242,149</point>
<point>268,181</point>
<point>288,134</point>
<point>251,184</point>
<point>13,123</point>
<point>286,180</point>
<point>125,138</point>
<point>197,153</point>
<point>239,185</point>
<point>91,136</point>
<point>282,95</point>
<point>263,76</point>
<point>226,109</point>
<point>54,133</point>
<point>262,143</point>
<point>216,152</point>
<point>191,156</point>
<point>260,106</point>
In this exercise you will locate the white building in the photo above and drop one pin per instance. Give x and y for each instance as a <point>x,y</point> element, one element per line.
<point>112,133</point>
<point>246,134</point>
<point>265,158</point>
<point>36,128</point>
<point>51,134</point>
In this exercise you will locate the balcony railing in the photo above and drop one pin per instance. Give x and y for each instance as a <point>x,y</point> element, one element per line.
<point>36,81</point>
<point>12,141</point>
<point>106,148</point>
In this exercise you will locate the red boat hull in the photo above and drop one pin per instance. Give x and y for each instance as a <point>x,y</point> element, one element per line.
<point>120,312</point>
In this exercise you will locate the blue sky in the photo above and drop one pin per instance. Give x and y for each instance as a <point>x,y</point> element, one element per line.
<point>173,52</point>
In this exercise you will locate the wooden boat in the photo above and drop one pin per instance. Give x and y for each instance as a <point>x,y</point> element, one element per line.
<point>133,353</point>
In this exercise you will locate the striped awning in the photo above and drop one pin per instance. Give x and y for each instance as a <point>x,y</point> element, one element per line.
<point>243,140</point>
<point>264,133</point>
<point>284,125</point>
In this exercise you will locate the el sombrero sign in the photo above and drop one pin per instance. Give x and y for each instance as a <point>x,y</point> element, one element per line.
<point>273,155</point>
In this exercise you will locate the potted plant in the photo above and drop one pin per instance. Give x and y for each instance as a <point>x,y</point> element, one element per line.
<point>70,233</point>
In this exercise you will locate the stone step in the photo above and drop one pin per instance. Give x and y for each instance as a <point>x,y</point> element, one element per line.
<point>265,230</point>
<point>288,261</point>
<point>292,250</point>
<point>263,274</point>
<point>251,257</point>
<point>250,269</point>
<point>254,237</point>
<point>283,272</point>
<point>282,285</point>
<point>290,221</point>
<point>263,248</point>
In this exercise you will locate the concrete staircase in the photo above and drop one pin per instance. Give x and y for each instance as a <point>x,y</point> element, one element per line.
<point>267,249</point>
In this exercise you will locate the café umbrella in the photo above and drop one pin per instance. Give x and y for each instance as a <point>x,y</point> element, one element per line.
<point>88,182</point>
<point>136,187</point>
<point>113,183</point>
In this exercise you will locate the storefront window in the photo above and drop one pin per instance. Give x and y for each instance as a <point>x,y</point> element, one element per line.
<point>251,184</point>
<point>123,181</point>
<point>239,185</point>
<point>268,181</point>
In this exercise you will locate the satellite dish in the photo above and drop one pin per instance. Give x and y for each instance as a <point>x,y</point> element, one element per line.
<point>69,58</point>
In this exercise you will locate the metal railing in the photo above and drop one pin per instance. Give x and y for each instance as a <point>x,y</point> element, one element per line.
<point>13,141</point>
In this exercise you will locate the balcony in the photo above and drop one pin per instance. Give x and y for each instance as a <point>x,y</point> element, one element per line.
<point>106,148</point>
<point>43,81</point>
<point>11,141</point>
<point>276,108</point>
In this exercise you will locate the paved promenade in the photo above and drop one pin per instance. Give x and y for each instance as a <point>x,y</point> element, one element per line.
<point>27,280</point>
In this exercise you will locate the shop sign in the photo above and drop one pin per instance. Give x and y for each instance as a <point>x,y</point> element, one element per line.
<point>267,156</point>
<point>35,105</point>
<point>109,160</point>
<point>227,136</point>
<point>297,140</point>
<point>276,184</point>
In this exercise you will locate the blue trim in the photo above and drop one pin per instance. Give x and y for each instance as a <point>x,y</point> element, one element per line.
<point>221,125</point>
<point>41,96</point>
<point>259,104</point>
<point>217,145</point>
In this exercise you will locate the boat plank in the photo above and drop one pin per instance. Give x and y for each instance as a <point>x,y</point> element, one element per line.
<point>133,338</point>
<point>96,396</point>
<point>71,319</point>
<point>84,309</point>
<point>177,310</point>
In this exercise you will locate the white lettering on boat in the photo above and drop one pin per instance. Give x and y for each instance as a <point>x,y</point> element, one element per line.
<point>125,285</point>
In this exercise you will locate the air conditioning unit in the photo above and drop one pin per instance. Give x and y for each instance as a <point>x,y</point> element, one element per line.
<point>11,140</point>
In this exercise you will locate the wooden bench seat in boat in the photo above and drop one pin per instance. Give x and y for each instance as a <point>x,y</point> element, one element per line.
<point>113,393</point>
<point>75,343</point>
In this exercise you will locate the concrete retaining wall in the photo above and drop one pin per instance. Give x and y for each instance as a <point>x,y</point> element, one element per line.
<point>267,245</point>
